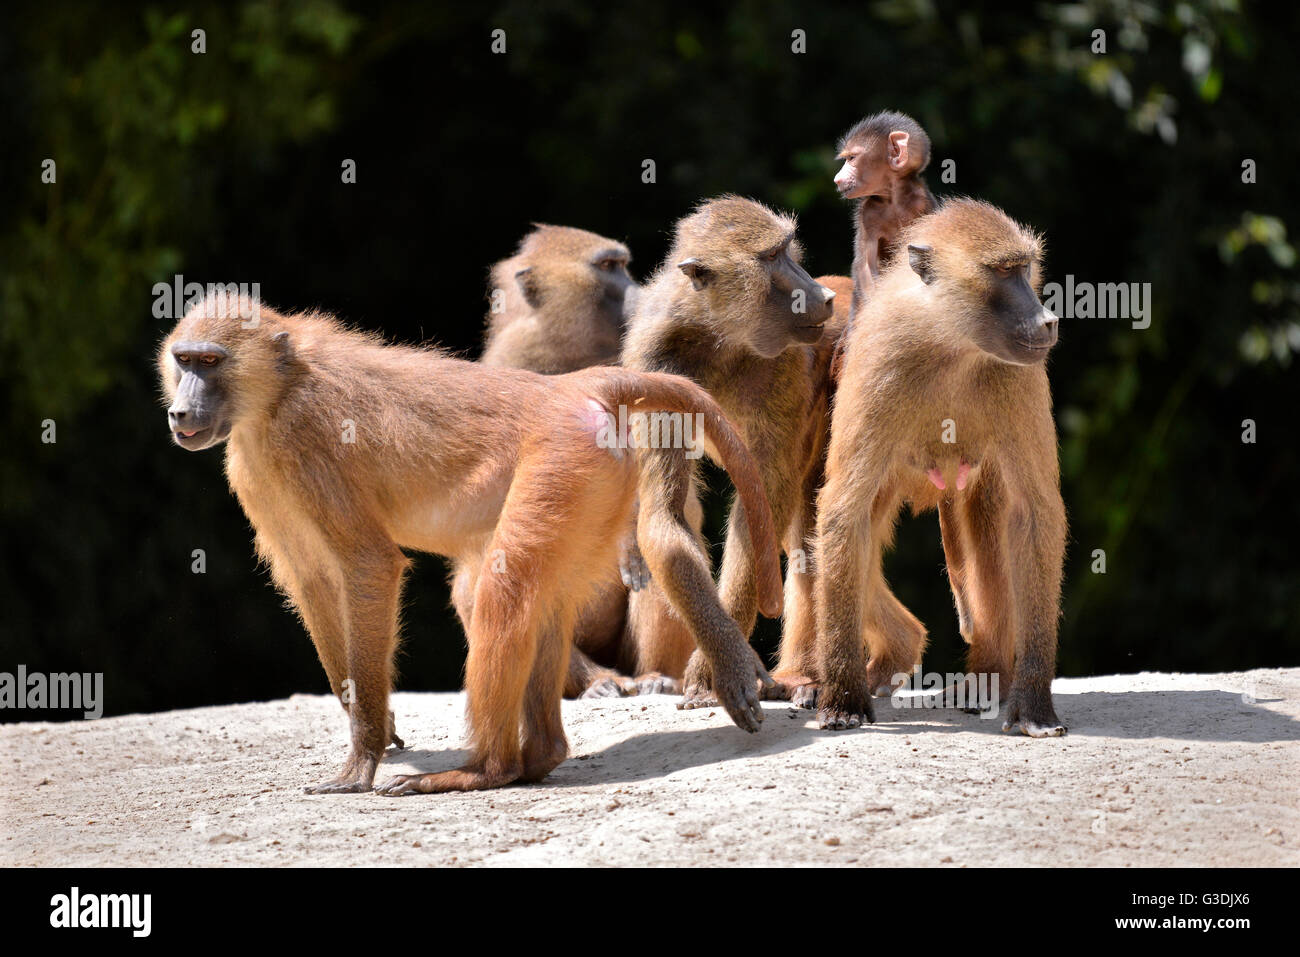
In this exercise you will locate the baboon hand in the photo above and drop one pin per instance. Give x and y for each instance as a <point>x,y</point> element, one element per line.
<point>632,567</point>
<point>739,686</point>
<point>1031,712</point>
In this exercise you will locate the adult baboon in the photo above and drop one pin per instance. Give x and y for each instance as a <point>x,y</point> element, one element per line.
<point>944,402</point>
<point>732,309</point>
<point>343,450</point>
<point>558,305</point>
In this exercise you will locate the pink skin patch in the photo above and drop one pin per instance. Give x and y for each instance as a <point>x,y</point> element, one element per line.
<point>937,478</point>
<point>963,472</point>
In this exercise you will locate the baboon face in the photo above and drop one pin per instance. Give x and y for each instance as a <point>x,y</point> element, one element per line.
<point>986,270</point>
<point>877,151</point>
<point>747,263</point>
<point>199,414</point>
<point>562,268</point>
<point>213,368</point>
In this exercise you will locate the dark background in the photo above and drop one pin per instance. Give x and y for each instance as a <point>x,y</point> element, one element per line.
<point>226,167</point>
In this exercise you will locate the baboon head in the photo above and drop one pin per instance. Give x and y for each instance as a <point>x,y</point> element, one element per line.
<point>220,364</point>
<point>879,150</point>
<point>983,272</point>
<point>744,259</point>
<point>571,274</point>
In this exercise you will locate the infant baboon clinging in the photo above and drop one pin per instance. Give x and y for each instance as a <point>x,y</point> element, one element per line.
<point>560,302</point>
<point>944,402</point>
<point>732,309</point>
<point>884,156</point>
<point>343,451</point>
<point>558,305</point>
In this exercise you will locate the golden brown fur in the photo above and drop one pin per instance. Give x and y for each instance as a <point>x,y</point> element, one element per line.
<point>720,311</point>
<point>952,344</point>
<point>499,470</point>
<point>559,304</point>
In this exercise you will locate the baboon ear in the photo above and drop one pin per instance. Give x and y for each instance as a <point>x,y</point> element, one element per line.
<point>698,274</point>
<point>919,257</point>
<point>281,340</point>
<point>898,149</point>
<point>529,286</point>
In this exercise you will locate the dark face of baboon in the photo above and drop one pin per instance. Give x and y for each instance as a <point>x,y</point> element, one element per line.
<point>199,364</point>
<point>745,259</point>
<point>879,151</point>
<point>987,270</point>
<point>559,268</point>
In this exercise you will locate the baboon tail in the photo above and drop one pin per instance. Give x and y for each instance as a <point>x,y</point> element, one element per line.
<point>661,392</point>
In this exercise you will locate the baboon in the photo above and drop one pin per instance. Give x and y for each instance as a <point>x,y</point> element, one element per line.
<point>558,305</point>
<point>732,309</point>
<point>884,156</point>
<point>560,302</point>
<point>944,403</point>
<point>343,451</point>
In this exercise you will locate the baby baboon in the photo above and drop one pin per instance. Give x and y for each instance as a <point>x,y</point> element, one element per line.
<point>944,403</point>
<point>559,303</point>
<point>884,156</point>
<point>343,451</point>
<point>732,309</point>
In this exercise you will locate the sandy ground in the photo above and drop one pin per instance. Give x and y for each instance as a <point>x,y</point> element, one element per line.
<point>1157,770</point>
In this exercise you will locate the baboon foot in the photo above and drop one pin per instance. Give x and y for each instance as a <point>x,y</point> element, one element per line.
<point>462,779</point>
<point>606,688</point>
<point>737,686</point>
<point>392,732</point>
<point>798,689</point>
<point>653,682</point>
<point>543,761</point>
<point>842,708</point>
<point>358,775</point>
<point>1032,713</point>
<point>697,684</point>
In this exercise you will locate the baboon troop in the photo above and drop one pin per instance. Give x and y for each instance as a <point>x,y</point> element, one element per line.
<point>557,474</point>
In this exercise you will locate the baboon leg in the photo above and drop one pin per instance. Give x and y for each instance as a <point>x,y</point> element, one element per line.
<point>848,570</point>
<point>680,566</point>
<point>1037,544</point>
<point>991,600</point>
<point>374,581</point>
<point>955,559</point>
<point>321,607</point>
<point>796,668</point>
<point>545,745</point>
<point>659,644</point>
<point>899,641</point>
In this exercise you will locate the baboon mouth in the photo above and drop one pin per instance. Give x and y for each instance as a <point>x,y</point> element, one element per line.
<point>196,439</point>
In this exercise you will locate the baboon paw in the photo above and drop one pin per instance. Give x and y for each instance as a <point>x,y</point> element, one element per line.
<point>404,784</point>
<point>339,786</point>
<point>604,688</point>
<point>656,683</point>
<point>1033,715</point>
<point>885,679</point>
<point>805,696</point>
<point>1034,729</point>
<point>392,732</point>
<point>632,567</point>
<point>697,696</point>
<point>833,719</point>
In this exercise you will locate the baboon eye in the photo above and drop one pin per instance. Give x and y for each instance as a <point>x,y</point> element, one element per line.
<point>183,358</point>
<point>209,360</point>
<point>1006,272</point>
<point>771,257</point>
<point>609,265</point>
